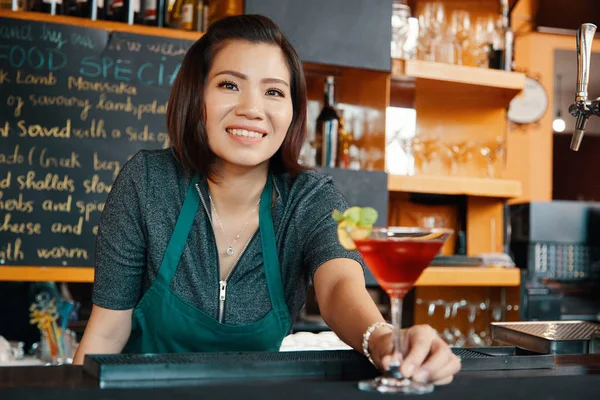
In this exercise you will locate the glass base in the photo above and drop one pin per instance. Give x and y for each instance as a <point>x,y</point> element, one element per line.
<point>383,384</point>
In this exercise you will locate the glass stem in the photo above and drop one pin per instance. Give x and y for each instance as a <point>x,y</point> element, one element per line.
<point>396,302</point>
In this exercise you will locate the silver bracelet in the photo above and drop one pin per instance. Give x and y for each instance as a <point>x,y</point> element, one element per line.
<point>367,336</point>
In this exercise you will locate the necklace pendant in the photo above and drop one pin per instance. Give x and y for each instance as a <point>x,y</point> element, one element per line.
<point>230,251</point>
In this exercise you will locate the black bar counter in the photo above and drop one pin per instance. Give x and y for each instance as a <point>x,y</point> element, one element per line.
<point>573,377</point>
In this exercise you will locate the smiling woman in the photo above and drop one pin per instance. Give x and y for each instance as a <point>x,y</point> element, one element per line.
<point>254,68</point>
<point>210,245</point>
<point>248,104</point>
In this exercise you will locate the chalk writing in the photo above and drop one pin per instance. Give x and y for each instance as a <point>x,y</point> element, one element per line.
<point>167,49</point>
<point>61,227</point>
<point>21,228</point>
<point>78,39</point>
<point>51,182</point>
<point>87,86</point>
<point>76,104</point>
<point>52,36</point>
<point>104,165</point>
<point>35,130</point>
<point>147,136</point>
<point>149,73</point>
<point>24,32</point>
<point>18,56</point>
<point>12,158</point>
<point>62,101</point>
<point>4,130</point>
<point>88,208</point>
<point>54,206</point>
<point>95,185</point>
<point>32,79</point>
<point>17,204</point>
<point>61,252</point>
<point>129,107</point>
<point>17,102</point>
<point>12,251</point>
<point>4,77</point>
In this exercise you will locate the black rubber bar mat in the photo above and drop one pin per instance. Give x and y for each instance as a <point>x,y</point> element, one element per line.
<point>141,370</point>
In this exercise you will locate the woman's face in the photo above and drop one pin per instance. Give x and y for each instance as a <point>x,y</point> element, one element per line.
<point>248,103</point>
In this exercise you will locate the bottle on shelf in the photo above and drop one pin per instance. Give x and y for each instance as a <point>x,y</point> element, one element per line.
<point>187,15</point>
<point>120,10</point>
<point>99,9</point>
<point>327,128</point>
<point>155,12</point>
<point>200,21</point>
<point>509,36</point>
<point>117,11</point>
<point>175,14</point>
<point>77,8</point>
<point>501,50</point>
<point>8,5</point>
<point>345,141</point>
<point>53,7</point>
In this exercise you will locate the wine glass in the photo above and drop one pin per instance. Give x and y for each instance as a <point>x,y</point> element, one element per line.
<point>397,256</point>
<point>459,154</point>
<point>461,27</point>
<point>492,151</point>
<point>482,40</point>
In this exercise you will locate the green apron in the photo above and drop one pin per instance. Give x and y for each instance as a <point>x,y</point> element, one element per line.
<point>164,323</point>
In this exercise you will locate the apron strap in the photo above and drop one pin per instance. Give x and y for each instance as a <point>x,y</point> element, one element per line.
<point>270,256</point>
<point>178,240</point>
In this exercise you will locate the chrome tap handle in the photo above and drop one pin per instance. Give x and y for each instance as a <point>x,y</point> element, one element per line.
<point>580,109</point>
<point>585,37</point>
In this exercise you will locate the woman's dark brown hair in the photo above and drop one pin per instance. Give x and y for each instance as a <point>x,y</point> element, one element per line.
<point>185,111</point>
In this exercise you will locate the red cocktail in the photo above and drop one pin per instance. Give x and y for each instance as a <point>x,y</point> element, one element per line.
<point>397,256</point>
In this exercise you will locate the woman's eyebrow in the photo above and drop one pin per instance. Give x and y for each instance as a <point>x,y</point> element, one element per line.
<point>245,77</point>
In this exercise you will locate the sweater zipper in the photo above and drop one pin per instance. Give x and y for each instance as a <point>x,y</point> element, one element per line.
<point>222,283</point>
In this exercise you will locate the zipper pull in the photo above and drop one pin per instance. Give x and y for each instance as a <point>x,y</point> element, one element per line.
<point>222,290</point>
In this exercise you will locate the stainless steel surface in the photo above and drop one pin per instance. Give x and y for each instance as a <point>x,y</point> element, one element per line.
<point>582,108</point>
<point>548,337</point>
<point>585,37</point>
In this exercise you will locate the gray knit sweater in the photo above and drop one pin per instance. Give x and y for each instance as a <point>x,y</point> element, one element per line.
<point>139,217</point>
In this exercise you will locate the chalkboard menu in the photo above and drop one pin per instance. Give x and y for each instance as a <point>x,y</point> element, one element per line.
<point>75,105</point>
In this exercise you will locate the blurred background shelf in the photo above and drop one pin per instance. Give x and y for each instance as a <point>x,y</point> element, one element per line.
<point>47,274</point>
<point>469,276</point>
<point>101,24</point>
<point>482,187</point>
<point>449,81</point>
<point>432,276</point>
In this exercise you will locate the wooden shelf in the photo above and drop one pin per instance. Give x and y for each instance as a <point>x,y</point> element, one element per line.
<point>482,187</point>
<point>432,276</point>
<point>47,274</point>
<point>449,82</point>
<point>469,276</point>
<point>107,25</point>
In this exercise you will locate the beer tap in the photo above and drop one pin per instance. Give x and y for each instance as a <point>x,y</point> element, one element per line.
<point>582,108</point>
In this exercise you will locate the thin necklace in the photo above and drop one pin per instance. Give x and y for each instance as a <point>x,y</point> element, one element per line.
<point>230,251</point>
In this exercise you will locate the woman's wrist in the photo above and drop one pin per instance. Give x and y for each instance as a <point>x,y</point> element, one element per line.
<point>372,335</point>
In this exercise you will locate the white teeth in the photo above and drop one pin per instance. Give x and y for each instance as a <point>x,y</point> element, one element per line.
<point>243,132</point>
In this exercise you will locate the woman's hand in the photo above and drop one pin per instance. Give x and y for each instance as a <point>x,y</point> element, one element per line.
<point>426,357</point>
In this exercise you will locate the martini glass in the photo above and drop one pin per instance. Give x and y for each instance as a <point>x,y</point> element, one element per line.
<point>397,256</point>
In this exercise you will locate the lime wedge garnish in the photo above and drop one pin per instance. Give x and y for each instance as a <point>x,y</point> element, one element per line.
<point>355,223</point>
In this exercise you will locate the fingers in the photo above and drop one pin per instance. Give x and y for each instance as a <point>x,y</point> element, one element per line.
<point>441,365</point>
<point>444,381</point>
<point>419,340</point>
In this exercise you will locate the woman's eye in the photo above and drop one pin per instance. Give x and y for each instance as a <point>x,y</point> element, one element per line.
<point>228,85</point>
<point>275,92</point>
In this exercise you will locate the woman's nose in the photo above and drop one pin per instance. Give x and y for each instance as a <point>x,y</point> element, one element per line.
<point>251,105</point>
